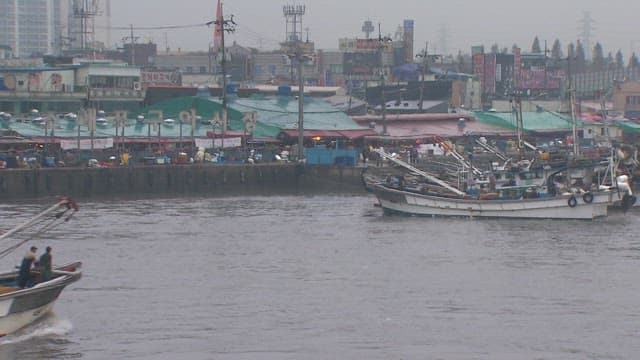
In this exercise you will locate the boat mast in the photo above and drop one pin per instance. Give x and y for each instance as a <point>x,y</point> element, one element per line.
<point>420,172</point>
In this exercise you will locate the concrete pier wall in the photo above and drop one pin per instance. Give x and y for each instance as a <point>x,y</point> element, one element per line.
<point>205,179</point>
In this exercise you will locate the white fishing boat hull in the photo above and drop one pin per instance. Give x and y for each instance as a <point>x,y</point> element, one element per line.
<point>14,322</point>
<point>22,307</point>
<point>556,207</point>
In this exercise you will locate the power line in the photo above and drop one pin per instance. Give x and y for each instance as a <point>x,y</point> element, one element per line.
<point>164,27</point>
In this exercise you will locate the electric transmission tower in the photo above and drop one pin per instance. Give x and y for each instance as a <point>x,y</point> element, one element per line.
<point>443,39</point>
<point>586,32</point>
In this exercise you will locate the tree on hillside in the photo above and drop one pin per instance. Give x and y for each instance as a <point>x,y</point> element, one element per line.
<point>609,61</point>
<point>581,58</point>
<point>619,61</point>
<point>634,63</point>
<point>460,61</point>
<point>597,58</point>
<point>571,58</point>
<point>556,50</point>
<point>535,47</point>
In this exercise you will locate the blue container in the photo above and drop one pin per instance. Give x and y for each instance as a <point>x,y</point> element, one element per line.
<point>232,88</point>
<point>345,161</point>
<point>284,90</point>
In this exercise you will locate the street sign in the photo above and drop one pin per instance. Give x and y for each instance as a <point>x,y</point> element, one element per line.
<point>120,119</point>
<point>157,119</point>
<point>88,117</point>
<point>188,117</point>
<point>250,119</point>
<point>220,120</point>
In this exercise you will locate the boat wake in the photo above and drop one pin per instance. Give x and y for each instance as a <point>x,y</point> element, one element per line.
<point>49,326</point>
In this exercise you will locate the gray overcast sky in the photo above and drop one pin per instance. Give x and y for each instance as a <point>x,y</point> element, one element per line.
<point>261,23</point>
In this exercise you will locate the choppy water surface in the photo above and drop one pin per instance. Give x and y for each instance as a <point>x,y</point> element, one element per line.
<point>331,278</point>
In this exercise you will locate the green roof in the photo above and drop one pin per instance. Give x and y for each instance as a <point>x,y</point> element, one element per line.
<point>274,114</point>
<point>532,121</point>
<point>628,126</point>
<point>282,112</point>
<point>207,108</point>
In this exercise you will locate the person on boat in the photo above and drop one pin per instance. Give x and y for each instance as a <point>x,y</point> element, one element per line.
<point>45,265</point>
<point>24,275</point>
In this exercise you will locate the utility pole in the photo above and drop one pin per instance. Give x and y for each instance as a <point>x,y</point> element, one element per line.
<point>223,26</point>
<point>571,89</point>
<point>382,41</point>
<point>546,51</point>
<point>132,41</point>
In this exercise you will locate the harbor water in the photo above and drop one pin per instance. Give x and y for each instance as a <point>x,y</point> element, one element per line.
<point>330,277</point>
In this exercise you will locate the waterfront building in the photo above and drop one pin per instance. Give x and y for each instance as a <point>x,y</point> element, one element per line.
<point>68,88</point>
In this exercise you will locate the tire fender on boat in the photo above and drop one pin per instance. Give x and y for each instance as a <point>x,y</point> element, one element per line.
<point>572,201</point>
<point>588,198</point>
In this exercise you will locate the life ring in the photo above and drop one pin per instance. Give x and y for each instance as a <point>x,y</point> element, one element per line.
<point>572,201</point>
<point>588,198</point>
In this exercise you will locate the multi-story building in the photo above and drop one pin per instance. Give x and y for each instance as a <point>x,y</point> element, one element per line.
<point>69,87</point>
<point>204,68</point>
<point>31,28</point>
<point>626,99</point>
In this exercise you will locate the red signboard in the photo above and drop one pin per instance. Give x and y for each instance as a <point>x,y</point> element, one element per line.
<point>367,44</point>
<point>158,77</point>
<point>517,66</point>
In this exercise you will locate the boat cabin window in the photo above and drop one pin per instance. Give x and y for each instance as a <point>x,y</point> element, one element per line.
<point>530,175</point>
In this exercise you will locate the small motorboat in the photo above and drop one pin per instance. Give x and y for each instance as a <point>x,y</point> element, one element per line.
<point>20,307</point>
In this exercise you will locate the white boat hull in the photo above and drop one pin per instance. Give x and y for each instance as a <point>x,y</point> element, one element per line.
<point>556,207</point>
<point>21,307</point>
<point>14,322</point>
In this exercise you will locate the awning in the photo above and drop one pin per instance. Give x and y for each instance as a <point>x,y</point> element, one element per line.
<point>356,134</point>
<point>349,134</point>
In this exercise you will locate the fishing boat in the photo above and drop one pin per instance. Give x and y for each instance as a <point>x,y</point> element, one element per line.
<point>523,202</point>
<point>20,307</point>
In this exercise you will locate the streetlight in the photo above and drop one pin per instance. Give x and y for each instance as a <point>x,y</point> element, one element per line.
<point>300,56</point>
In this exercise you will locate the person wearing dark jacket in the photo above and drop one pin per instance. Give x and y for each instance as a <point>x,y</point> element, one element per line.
<point>45,265</point>
<point>24,275</point>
